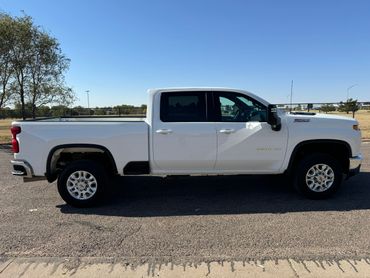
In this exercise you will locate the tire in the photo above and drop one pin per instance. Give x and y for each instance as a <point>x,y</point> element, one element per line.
<point>82,183</point>
<point>318,176</point>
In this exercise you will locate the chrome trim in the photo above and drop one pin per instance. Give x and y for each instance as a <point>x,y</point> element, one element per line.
<point>25,165</point>
<point>355,162</point>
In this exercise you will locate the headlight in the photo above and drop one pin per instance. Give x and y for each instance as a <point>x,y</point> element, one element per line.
<point>356,127</point>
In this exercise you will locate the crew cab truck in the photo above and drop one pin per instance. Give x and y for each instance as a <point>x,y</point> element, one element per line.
<point>189,131</point>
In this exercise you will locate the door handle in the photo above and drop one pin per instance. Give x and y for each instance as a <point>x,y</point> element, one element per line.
<point>227,130</point>
<point>163,131</point>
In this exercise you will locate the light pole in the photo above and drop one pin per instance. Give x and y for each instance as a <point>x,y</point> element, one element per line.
<point>291,96</point>
<point>88,100</point>
<point>349,88</point>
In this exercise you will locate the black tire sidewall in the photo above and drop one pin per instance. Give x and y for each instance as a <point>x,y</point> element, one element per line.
<point>83,165</point>
<point>305,164</point>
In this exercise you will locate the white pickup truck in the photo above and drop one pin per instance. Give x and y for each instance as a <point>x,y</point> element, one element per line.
<point>189,131</point>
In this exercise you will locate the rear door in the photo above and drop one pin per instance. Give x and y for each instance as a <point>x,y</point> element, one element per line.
<point>183,140</point>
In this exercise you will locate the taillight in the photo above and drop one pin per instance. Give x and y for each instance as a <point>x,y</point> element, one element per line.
<point>15,145</point>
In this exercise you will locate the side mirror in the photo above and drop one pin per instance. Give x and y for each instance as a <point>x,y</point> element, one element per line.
<point>272,117</point>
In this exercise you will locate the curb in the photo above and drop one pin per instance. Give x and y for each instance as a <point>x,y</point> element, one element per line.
<point>105,267</point>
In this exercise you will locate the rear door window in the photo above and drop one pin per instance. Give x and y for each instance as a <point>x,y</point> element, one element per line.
<point>183,107</point>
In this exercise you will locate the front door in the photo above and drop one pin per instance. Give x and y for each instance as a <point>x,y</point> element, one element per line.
<point>245,141</point>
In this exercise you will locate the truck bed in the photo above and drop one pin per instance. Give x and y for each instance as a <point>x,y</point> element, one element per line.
<point>125,138</point>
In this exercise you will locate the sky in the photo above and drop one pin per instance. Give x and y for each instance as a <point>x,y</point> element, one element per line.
<point>121,48</point>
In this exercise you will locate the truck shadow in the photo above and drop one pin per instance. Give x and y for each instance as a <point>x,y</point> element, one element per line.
<point>176,196</point>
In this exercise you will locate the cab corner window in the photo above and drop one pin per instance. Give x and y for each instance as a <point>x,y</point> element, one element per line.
<point>183,107</point>
<point>231,107</point>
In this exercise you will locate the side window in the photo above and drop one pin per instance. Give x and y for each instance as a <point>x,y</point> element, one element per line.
<point>183,107</point>
<point>231,107</point>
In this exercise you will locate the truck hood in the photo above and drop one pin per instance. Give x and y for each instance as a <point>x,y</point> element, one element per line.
<point>320,119</point>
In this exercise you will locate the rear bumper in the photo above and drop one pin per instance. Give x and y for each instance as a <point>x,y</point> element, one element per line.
<point>22,168</point>
<point>354,165</point>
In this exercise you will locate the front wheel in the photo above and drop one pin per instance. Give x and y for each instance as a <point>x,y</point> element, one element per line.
<point>318,176</point>
<point>81,183</point>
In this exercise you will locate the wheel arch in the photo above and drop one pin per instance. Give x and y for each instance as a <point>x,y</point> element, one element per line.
<point>337,148</point>
<point>54,154</point>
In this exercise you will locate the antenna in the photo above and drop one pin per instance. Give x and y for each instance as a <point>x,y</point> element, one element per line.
<point>291,96</point>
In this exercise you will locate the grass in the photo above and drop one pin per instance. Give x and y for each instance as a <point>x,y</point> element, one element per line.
<point>5,136</point>
<point>362,116</point>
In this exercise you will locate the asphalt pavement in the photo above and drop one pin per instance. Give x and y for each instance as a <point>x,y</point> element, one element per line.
<point>187,220</point>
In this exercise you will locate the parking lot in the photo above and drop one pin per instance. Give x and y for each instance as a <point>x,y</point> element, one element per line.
<point>187,220</point>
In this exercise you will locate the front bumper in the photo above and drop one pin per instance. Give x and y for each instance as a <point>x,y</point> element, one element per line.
<point>354,165</point>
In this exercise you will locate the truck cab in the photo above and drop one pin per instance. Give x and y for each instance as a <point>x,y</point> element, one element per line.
<point>212,132</point>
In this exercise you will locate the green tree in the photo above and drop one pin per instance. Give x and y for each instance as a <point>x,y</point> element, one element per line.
<point>99,111</point>
<point>143,108</point>
<point>46,67</point>
<point>327,108</point>
<point>36,62</point>
<point>81,111</point>
<point>351,105</point>
<point>309,107</point>
<point>43,111</point>
<point>20,34</point>
<point>59,110</point>
<point>129,109</point>
<point>6,70</point>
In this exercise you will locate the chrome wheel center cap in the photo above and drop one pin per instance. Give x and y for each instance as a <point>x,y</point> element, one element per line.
<point>81,186</point>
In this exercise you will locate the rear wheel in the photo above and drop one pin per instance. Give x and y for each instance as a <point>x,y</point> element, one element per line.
<point>318,176</point>
<point>82,183</point>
